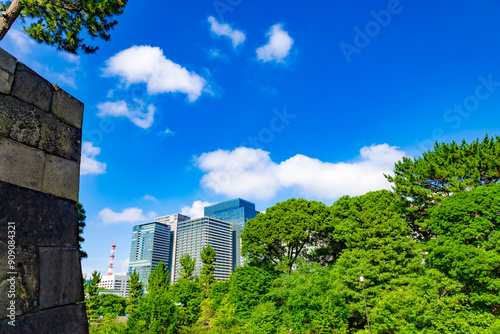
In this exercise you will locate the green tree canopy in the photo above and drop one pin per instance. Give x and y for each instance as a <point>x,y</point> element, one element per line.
<point>186,293</point>
<point>208,257</point>
<point>450,168</point>
<point>62,22</point>
<point>187,266</point>
<point>467,244</point>
<point>81,226</point>
<point>135,292</point>
<point>159,278</point>
<point>156,312</point>
<point>281,234</point>
<point>378,246</point>
<point>111,304</point>
<point>92,294</point>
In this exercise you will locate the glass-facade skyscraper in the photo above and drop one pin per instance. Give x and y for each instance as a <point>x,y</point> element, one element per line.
<point>236,211</point>
<point>193,235</point>
<point>151,243</point>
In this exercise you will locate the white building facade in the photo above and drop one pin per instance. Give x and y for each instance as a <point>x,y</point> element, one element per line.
<point>117,283</point>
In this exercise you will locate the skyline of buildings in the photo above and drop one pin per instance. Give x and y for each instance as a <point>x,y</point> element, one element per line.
<point>171,236</point>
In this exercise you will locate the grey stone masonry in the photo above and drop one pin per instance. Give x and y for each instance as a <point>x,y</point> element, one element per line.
<point>41,286</point>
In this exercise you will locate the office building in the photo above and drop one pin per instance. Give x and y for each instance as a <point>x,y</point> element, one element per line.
<point>172,221</point>
<point>193,235</point>
<point>116,284</point>
<point>151,243</point>
<point>237,212</point>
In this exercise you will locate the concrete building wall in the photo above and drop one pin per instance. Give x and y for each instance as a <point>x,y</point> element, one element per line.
<point>40,143</point>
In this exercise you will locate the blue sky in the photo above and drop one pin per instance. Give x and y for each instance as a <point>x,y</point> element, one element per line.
<point>195,102</point>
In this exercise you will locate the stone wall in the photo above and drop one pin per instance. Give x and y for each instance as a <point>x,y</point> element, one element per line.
<point>40,143</point>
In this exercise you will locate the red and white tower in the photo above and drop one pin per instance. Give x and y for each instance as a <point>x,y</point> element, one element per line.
<point>111,259</point>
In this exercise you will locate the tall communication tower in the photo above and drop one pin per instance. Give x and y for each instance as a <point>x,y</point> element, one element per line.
<point>111,259</point>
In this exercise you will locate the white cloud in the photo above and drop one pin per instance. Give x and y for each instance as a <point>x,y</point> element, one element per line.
<point>223,29</point>
<point>89,164</point>
<point>215,53</point>
<point>22,42</point>
<point>196,210</point>
<point>250,173</point>
<point>146,64</point>
<point>169,132</point>
<point>278,47</point>
<point>150,198</point>
<point>121,109</point>
<point>70,58</point>
<point>130,215</point>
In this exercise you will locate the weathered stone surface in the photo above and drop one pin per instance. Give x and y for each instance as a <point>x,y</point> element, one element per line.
<point>20,164</point>
<point>70,319</point>
<point>6,80</point>
<point>40,147</point>
<point>5,116</point>
<point>61,178</point>
<point>25,275</point>
<point>59,138</point>
<point>20,121</point>
<point>29,125</point>
<point>60,276</point>
<point>67,107</point>
<point>7,61</point>
<point>7,69</point>
<point>41,219</point>
<point>29,87</point>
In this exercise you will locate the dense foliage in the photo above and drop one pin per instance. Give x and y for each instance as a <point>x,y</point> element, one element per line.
<point>429,252</point>
<point>135,292</point>
<point>81,225</point>
<point>92,295</point>
<point>62,22</point>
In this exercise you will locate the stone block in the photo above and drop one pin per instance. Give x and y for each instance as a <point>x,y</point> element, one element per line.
<point>20,121</point>
<point>67,107</point>
<point>41,219</point>
<point>31,88</point>
<point>70,319</point>
<point>60,276</point>
<point>20,164</point>
<point>23,273</point>
<point>59,138</point>
<point>6,80</point>
<point>7,62</point>
<point>61,178</point>
<point>7,69</point>
<point>5,116</point>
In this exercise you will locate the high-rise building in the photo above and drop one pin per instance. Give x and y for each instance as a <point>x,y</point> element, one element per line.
<point>172,221</point>
<point>116,284</point>
<point>193,235</point>
<point>151,243</point>
<point>236,211</point>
